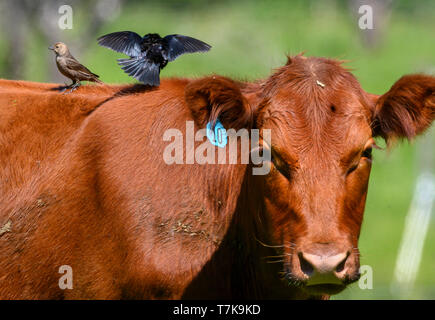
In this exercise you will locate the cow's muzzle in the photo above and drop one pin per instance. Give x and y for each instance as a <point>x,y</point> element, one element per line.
<point>325,271</point>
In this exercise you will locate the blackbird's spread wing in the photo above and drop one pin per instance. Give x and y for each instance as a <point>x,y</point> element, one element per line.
<point>142,67</point>
<point>178,45</point>
<point>142,70</point>
<point>74,65</point>
<point>126,42</point>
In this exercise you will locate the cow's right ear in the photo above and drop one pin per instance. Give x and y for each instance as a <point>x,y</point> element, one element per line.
<point>406,110</point>
<point>217,97</point>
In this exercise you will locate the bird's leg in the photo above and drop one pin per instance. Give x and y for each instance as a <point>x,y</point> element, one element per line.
<point>65,87</point>
<point>68,86</point>
<point>74,86</point>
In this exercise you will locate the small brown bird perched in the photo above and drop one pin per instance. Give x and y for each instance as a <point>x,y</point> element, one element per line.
<point>70,67</point>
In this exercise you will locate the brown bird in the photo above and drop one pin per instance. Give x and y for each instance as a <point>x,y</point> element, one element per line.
<point>71,68</point>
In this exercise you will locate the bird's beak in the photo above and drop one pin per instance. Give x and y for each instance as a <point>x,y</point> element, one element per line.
<point>50,48</point>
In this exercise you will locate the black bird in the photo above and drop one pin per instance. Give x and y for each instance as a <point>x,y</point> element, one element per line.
<point>150,54</point>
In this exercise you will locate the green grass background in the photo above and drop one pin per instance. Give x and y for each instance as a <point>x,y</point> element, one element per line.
<point>250,39</point>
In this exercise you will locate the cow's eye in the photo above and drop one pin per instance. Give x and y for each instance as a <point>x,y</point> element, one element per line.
<point>280,165</point>
<point>352,168</point>
<point>367,153</point>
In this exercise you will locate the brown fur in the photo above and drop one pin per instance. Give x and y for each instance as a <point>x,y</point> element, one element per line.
<point>83,183</point>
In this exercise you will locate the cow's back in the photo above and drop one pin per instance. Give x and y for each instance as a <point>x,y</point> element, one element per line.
<point>36,121</point>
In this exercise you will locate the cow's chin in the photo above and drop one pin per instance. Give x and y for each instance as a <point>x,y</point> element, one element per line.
<point>320,286</point>
<point>324,289</point>
<point>316,290</point>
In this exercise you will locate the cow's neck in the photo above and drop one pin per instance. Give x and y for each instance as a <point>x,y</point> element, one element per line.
<point>255,273</point>
<point>244,239</point>
<point>238,268</point>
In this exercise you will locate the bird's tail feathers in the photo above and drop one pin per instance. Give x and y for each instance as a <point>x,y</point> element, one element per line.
<point>150,75</point>
<point>131,66</point>
<point>141,70</point>
<point>93,78</point>
<point>98,80</point>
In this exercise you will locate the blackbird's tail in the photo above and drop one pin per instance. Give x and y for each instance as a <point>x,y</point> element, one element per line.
<point>140,69</point>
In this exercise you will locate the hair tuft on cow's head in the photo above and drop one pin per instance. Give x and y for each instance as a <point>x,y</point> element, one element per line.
<point>217,97</point>
<point>407,109</point>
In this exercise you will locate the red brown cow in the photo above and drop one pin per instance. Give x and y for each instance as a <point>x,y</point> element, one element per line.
<point>83,183</point>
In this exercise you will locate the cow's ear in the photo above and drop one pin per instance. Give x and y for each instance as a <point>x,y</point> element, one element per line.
<point>407,109</point>
<point>216,97</point>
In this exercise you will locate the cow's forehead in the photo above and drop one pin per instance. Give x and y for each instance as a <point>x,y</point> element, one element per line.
<point>315,102</point>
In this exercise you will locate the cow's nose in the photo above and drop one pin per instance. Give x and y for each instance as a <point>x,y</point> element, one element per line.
<point>321,268</point>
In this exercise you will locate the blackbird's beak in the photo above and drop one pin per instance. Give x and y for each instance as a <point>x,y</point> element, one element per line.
<point>50,48</point>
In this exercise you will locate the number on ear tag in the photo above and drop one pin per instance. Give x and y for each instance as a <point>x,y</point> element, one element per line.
<point>218,136</point>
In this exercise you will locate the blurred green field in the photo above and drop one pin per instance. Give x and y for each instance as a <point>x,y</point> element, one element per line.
<point>250,39</point>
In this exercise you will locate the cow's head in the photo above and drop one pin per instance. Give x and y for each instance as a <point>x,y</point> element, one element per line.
<point>323,127</point>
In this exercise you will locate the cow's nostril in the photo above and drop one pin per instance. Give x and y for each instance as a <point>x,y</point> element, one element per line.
<point>340,266</point>
<point>306,267</point>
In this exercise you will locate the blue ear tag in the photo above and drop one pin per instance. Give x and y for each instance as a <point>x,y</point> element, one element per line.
<point>218,137</point>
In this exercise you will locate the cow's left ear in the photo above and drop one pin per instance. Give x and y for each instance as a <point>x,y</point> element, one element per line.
<point>217,97</point>
<point>407,109</point>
